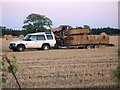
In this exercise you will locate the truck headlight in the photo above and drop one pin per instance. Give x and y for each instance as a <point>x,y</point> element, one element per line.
<point>12,44</point>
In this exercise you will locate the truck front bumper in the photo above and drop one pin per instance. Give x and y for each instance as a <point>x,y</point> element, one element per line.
<point>12,46</point>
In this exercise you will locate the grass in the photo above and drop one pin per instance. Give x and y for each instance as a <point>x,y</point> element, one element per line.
<point>117,71</point>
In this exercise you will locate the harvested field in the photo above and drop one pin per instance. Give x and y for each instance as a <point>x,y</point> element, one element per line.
<point>65,68</point>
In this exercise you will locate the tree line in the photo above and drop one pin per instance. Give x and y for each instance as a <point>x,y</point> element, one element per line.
<point>107,30</point>
<point>40,23</point>
<point>94,31</point>
<point>9,31</point>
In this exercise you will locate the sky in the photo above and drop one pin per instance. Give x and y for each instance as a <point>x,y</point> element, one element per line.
<point>95,13</point>
<point>119,15</point>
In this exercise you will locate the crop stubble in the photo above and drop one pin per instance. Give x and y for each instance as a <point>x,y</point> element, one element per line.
<point>70,68</point>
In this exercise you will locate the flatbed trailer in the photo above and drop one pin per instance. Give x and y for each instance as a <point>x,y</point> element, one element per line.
<point>68,37</point>
<point>86,46</point>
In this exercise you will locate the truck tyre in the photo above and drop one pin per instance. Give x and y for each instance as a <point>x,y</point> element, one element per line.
<point>20,48</point>
<point>46,47</point>
<point>14,50</point>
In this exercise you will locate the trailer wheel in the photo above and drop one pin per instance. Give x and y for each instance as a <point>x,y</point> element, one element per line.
<point>96,46</point>
<point>88,46</point>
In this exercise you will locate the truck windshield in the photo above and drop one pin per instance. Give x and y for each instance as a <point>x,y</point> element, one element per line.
<point>26,38</point>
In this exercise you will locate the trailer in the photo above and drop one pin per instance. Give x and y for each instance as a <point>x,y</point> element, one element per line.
<point>68,37</point>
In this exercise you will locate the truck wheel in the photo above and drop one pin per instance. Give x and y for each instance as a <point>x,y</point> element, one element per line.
<point>21,48</point>
<point>45,47</point>
<point>14,50</point>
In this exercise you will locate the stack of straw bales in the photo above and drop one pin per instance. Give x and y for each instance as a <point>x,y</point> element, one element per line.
<point>103,38</point>
<point>77,36</point>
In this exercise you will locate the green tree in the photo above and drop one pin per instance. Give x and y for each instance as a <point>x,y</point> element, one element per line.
<point>37,23</point>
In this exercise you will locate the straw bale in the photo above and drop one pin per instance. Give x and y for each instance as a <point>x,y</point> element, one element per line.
<point>76,40</point>
<point>103,38</point>
<point>21,36</point>
<point>84,37</point>
<point>93,39</point>
<point>71,40</point>
<point>5,35</point>
<point>103,33</point>
<point>79,31</point>
<point>76,31</point>
<point>9,37</point>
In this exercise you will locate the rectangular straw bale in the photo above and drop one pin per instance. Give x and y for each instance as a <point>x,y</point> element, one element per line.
<point>103,38</point>
<point>104,41</point>
<point>93,39</point>
<point>72,40</point>
<point>78,31</point>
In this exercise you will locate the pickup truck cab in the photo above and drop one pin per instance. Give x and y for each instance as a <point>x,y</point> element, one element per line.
<point>44,40</point>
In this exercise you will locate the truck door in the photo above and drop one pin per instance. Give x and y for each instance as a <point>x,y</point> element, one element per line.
<point>31,43</point>
<point>40,40</point>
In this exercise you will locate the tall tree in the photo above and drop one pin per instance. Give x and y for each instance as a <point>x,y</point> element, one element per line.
<point>37,23</point>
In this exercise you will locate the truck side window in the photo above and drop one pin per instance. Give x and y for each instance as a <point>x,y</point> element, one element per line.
<point>40,37</point>
<point>33,38</point>
<point>49,37</point>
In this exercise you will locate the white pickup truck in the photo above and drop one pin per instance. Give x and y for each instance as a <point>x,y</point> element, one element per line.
<point>44,40</point>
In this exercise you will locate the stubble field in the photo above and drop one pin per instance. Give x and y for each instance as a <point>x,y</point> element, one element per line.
<point>65,68</point>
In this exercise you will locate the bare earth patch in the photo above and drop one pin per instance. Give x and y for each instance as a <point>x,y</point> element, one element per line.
<point>71,68</point>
